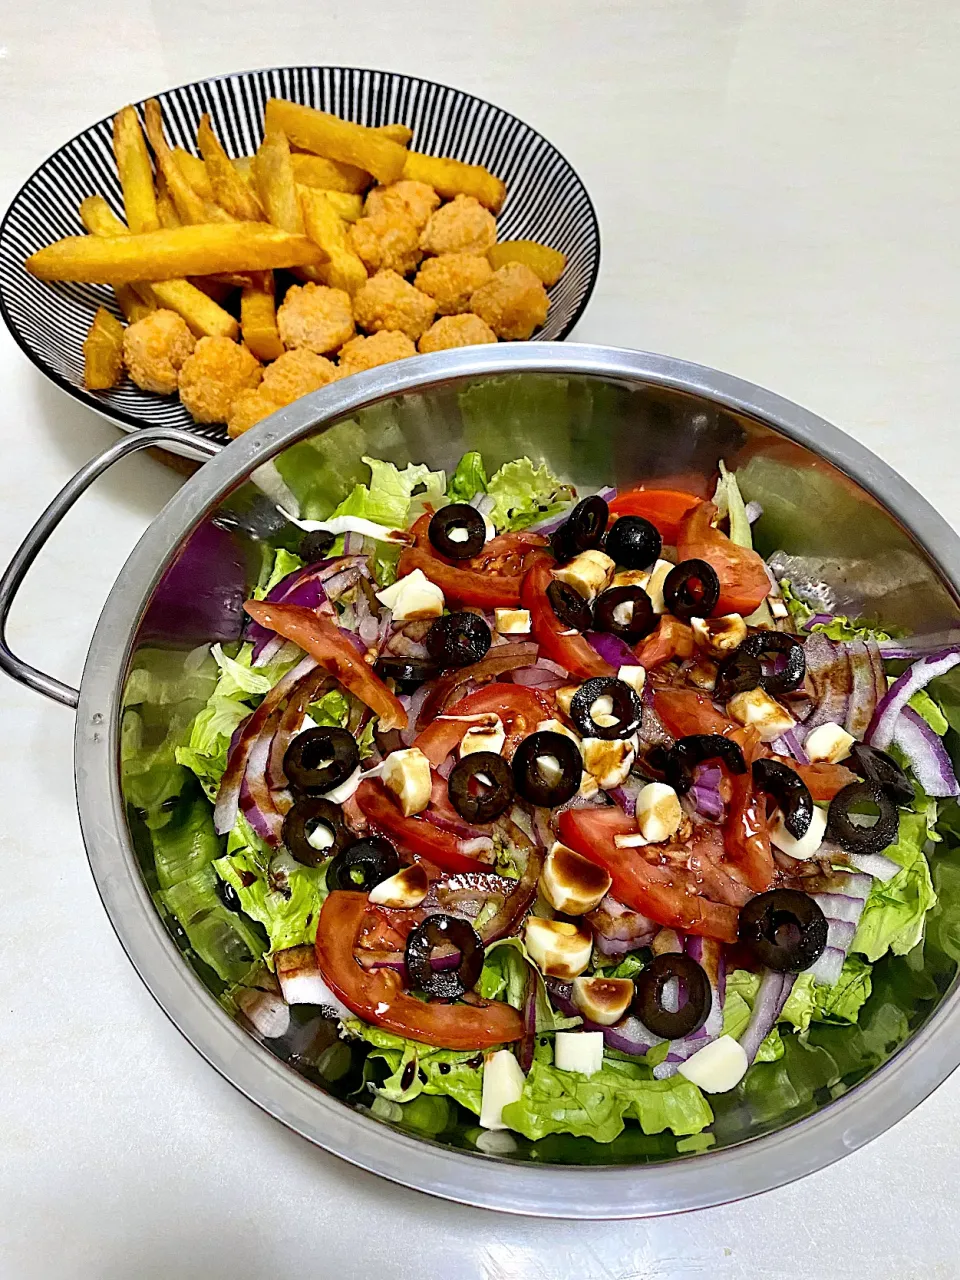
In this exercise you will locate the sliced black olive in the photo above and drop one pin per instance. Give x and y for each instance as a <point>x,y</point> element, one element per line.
<point>458,640</point>
<point>582,530</point>
<point>445,984</point>
<point>877,766</point>
<point>790,792</point>
<point>633,542</point>
<point>475,800</point>
<point>457,531</point>
<point>308,813</point>
<point>318,760</point>
<point>315,545</point>
<point>228,895</point>
<point>695,997</point>
<point>694,749</point>
<point>408,674</point>
<point>763,643</point>
<point>785,929</point>
<point>860,799</point>
<point>691,590</point>
<point>738,674</point>
<point>641,617</point>
<point>627,708</point>
<point>363,864</point>
<point>569,606</point>
<point>542,786</point>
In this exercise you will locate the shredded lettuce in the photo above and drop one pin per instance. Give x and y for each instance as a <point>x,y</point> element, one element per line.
<point>506,970</point>
<point>729,502</point>
<point>389,498</point>
<point>627,966</point>
<point>925,706</point>
<point>843,1001</point>
<point>277,565</point>
<point>445,1072</point>
<point>220,937</point>
<point>469,479</point>
<point>525,494</point>
<point>187,843</point>
<point>893,917</point>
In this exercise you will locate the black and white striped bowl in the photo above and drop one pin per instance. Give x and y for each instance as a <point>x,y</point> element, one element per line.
<point>546,201</point>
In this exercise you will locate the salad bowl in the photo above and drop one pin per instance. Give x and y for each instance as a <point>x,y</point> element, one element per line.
<point>846,525</point>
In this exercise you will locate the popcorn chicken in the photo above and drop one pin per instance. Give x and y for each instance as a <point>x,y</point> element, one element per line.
<point>387,301</point>
<point>214,375</point>
<point>386,241</point>
<point>316,317</point>
<point>366,353</point>
<point>456,331</point>
<point>452,278</point>
<point>462,226</point>
<point>513,302</point>
<point>414,200</point>
<point>249,408</point>
<point>296,373</point>
<point>154,350</point>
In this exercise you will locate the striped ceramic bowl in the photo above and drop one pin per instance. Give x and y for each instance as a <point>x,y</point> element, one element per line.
<point>546,201</point>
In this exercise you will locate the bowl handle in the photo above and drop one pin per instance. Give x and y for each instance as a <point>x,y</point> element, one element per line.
<point>177,441</point>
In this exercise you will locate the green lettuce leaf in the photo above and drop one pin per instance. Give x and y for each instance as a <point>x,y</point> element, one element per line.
<point>330,711</point>
<point>187,843</point>
<point>729,502</point>
<point>506,970</point>
<point>802,1002</point>
<point>277,565</point>
<point>925,706</point>
<point>741,992</point>
<point>843,1001</point>
<point>526,494</point>
<point>893,917</point>
<point>469,479</point>
<point>164,677</point>
<point>844,628</point>
<point>389,499</point>
<point>448,1072</point>
<point>555,1101</point>
<point>221,938</point>
<point>627,967</point>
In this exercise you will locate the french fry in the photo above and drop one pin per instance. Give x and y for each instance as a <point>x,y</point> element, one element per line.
<point>316,171</point>
<point>543,261</point>
<point>217,289</point>
<point>229,189</point>
<point>133,306</point>
<point>398,133</point>
<point>190,207</point>
<point>349,207</point>
<point>181,251</point>
<point>451,178</point>
<point>258,317</point>
<point>103,352</point>
<point>275,182</point>
<point>195,172</point>
<point>136,171</point>
<point>165,206</point>
<point>326,228</point>
<point>326,135</point>
<point>99,219</point>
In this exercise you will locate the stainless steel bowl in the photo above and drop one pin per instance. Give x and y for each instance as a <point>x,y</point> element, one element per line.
<point>598,416</point>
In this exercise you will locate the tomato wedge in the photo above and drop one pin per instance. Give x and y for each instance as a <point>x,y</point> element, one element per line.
<point>664,508</point>
<point>492,578</point>
<point>672,639</point>
<point>378,996</point>
<point>684,712</point>
<point>557,642</point>
<point>668,894</point>
<point>823,780</point>
<point>743,576</point>
<point>420,836</point>
<point>746,831</point>
<point>520,709</point>
<point>321,638</point>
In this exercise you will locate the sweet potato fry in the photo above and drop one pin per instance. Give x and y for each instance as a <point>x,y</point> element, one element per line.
<point>103,352</point>
<point>543,261</point>
<point>130,302</point>
<point>190,207</point>
<point>452,178</point>
<point>258,317</point>
<point>398,133</point>
<point>136,171</point>
<point>181,251</point>
<point>326,228</point>
<point>195,172</point>
<point>229,189</point>
<point>326,135</point>
<point>275,182</point>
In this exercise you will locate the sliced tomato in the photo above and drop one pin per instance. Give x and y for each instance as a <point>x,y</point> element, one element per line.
<point>684,712</point>
<point>558,642</point>
<point>743,576</point>
<point>669,894</point>
<point>664,508</point>
<point>520,709</point>
<point>321,638</point>
<point>672,639</point>
<point>492,578</point>
<point>746,831</point>
<point>378,996</point>
<point>823,780</point>
<point>418,835</point>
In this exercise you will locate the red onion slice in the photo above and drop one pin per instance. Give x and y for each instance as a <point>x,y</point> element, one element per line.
<point>915,678</point>
<point>926,754</point>
<point>774,991</point>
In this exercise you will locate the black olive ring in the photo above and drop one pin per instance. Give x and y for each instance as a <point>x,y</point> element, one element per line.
<point>582,530</point>
<point>876,766</point>
<point>489,803</point>
<point>315,545</point>
<point>858,837</point>
<point>375,858</point>
<point>694,988</point>
<point>529,779</point>
<point>569,606</point>
<point>318,760</point>
<point>457,516</point>
<point>781,642</point>
<point>306,814</point>
<point>633,542</point>
<point>408,674</point>
<point>627,708</point>
<point>642,621</point>
<point>785,929</point>
<point>738,674</point>
<point>458,640</point>
<point>444,984</point>
<point>696,748</point>
<point>691,590</point>
<point>789,790</point>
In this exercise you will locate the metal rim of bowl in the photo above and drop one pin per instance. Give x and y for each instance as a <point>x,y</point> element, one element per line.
<point>696,1181</point>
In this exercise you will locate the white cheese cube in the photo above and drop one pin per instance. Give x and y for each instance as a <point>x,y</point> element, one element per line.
<point>588,573</point>
<point>658,812</point>
<point>610,761</point>
<point>564,696</point>
<point>755,709</point>
<point>588,786</point>
<point>407,775</point>
<point>719,636</point>
<point>654,585</point>
<point>777,607</point>
<point>559,948</point>
<point>486,735</point>
<point>630,840</point>
<point>557,726</point>
<point>634,677</point>
<point>343,791</point>
<point>406,888</point>
<point>808,845</point>
<point>578,1051</point>
<point>513,622</point>
<point>413,596</point>
<point>718,1067</point>
<point>631,578</point>
<point>502,1084</point>
<point>571,883</point>
<point>602,1000</point>
<point>829,742</point>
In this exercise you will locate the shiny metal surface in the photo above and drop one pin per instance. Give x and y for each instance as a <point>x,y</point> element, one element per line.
<point>621,416</point>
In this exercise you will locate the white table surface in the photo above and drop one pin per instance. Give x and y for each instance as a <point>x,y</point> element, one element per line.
<point>777,184</point>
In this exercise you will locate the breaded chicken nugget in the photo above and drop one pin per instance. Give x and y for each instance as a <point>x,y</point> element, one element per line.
<point>452,278</point>
<point>366,353</point>
<point>154,349</point>
<point>213,377</point>
<point>386,241</point>
<point>249,408</point>
<point>415,200</point>
<point>462,226</point>
<point>513,302</point>
<point>316,317</point>
<point>296,373</point>
<point>456,331</point>
<point>387,301</point>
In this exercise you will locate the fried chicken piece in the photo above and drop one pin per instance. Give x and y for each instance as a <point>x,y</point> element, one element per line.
<point>154,350</point>
<point>296,373</point>
<point>366,353</point>
<point>452,278</point>
<point>415,200</point>
<point>249,408</point>
<point>462,226</point>
<point>513,302</point>
<point>213,377</point>
<point>387,301</point>
<point>386,241</point>
<point>456,331</point>
<point>316,317</point>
